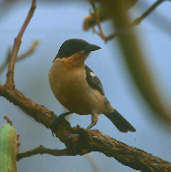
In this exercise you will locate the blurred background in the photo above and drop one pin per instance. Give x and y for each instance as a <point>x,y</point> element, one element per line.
<point>53,23</point>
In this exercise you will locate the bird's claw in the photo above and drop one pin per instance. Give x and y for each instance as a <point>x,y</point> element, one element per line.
<point>57,121</point>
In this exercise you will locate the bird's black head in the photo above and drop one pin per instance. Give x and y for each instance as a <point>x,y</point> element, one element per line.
<point>72,46</point>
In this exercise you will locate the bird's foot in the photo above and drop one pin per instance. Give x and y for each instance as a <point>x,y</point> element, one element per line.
<point>94,119</point>
<point>57,121</point>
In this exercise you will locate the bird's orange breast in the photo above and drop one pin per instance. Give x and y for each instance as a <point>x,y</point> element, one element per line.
<point>72,90</point>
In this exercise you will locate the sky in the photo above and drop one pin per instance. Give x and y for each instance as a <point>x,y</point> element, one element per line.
<point>51,25</point>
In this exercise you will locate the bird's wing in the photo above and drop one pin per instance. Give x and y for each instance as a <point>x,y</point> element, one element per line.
<point>93,80</point>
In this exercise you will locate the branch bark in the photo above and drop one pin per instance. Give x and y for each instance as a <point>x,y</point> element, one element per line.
<point>86,140</point>
<point>78,141</point>
<point>93,140</point>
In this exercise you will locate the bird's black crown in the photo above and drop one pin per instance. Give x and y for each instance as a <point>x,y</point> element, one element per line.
<point>71,46</point>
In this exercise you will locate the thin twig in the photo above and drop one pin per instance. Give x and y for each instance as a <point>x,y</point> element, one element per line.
<point>20,57</point>
<point>9,121</point>
<point>17,42</point>
<point>137,21</point>
<point>28,52</point>
<point>100,33</point>
<point>147,12</point>
<point>42,150</point>
<point>5,63</point>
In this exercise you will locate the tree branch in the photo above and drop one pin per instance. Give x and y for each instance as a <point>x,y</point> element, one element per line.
<point>147,12</point>
<point>42,150</point>
<point>94,18</point>
<point>87,140</point>
<point>138,20</point>
<point>16,47</point>
<point>93,140</point>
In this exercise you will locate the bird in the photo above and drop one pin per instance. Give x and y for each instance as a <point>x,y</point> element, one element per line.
<point>78,88</point>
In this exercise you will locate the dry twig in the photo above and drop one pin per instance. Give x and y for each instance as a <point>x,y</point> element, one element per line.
<point>42,150</point>
<point>9,121</point>
<point>100,33</point>
<point>137,21</point>
<point>147,12</point>
<point>26,54</point>
<point>17,42</point>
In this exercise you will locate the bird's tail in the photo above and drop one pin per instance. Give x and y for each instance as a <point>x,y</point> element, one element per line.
<point>119,121</point>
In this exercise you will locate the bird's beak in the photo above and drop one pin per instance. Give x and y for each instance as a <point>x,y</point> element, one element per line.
<point>91,47</point>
